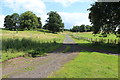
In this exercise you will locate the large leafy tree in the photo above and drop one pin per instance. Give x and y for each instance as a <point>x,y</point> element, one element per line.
<point>105,16</point>
<point>54,22</point>
<point>28,20</point>
<point>12,21</point>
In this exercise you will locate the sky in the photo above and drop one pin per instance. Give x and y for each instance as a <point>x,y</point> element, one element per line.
<point>72,12</point>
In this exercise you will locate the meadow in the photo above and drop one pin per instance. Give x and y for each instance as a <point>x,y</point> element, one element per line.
<point>89,65</point>
<point>90,35</point>
<point>28,43</point>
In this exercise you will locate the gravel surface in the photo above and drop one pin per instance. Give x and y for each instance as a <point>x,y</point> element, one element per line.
<point>40,67</point>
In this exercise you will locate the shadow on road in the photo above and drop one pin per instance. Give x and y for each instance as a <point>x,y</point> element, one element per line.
<point>89,47</point>
<point>41,48</point>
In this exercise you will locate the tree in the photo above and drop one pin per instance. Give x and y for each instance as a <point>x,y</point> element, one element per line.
<point>8,22</point>
<point>12,21</point>
<point>15,20</point>
<point>88,28</point>
<point>54,22</point>
<point>28,20</point>
<point>104,16</point>
<point>39,22</point>
<point>75,29</point>
<point>82,28</point>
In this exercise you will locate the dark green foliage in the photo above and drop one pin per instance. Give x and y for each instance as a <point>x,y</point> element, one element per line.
<point>66,29</point>
<point>28,20</point>
<point>54,22</point>
<point>39,22</point>
<point>82,28</point>
<point>105,16</point>
<point>12,21</point>
<point>8,22</point>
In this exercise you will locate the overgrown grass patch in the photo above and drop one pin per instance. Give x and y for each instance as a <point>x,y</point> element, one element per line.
<point>34,43</point>
<point>89,65</point>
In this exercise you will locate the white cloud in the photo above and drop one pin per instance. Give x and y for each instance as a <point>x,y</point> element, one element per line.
<point>43,18</point>
<point>71,19</point>
<point>36,6</point>
<point>39,8</point>
<point>2,21</point>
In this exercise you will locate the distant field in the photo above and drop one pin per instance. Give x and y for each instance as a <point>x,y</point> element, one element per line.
<point>99,45</point>
<point>90,35</point>
<point>89,65</point>
<point>35,43</point>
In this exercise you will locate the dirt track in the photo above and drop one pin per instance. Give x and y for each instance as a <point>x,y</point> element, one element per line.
<point>40,67</point>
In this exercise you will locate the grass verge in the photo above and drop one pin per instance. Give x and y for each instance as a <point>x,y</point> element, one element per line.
<point>89,65</point>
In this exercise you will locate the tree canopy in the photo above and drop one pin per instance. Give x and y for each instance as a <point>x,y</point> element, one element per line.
<point>82,28</point>
<point>105,16</point>
<point>27,20</point>
<point>39,22</point>
<point>12,21</point>
<point>54,22</point>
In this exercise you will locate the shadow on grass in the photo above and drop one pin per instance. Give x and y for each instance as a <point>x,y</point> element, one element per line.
<point>102,48</point>
<point>34,48</point>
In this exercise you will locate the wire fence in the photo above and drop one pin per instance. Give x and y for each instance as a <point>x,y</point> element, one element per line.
<point>98,40</point>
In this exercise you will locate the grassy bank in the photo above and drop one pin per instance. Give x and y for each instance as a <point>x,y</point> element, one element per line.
<point>89,65</point>
<point>30,43</point>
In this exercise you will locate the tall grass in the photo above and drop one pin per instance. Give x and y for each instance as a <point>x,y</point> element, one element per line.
<point>30,43</point>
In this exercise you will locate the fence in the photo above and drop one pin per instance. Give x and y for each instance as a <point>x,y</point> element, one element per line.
<point>99,40</point>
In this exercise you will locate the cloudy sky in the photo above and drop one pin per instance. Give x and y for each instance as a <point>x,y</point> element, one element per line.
<point>73,12</point>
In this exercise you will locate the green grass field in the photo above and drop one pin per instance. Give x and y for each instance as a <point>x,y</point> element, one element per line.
<point>90,35</point>
<point>89,65</point>
<point>31,43</point>
<point>104,46</point>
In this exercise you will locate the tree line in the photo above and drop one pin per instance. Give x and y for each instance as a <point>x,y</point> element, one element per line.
<point>105,17</point>
<point>81,28</point>
<point>29,21</point>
